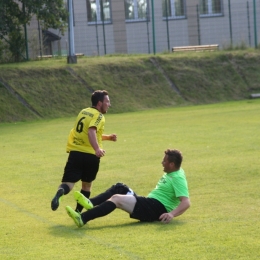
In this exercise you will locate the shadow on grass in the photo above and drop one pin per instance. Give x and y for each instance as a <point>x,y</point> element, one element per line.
<point>71,230</point>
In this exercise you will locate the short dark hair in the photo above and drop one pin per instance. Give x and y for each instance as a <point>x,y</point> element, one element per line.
<point>97,96</point>
<point>174,156</point>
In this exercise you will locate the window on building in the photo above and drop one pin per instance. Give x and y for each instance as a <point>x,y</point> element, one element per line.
<point>173,8</point>
<point>98,11</point>
<point>136,9</point>
<point>210,7</point>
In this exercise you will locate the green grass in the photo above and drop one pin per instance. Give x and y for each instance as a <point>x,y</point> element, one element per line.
<point>220,144</point>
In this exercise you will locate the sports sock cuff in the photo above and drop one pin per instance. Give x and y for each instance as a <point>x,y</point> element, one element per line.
<point>79,208</point>
<point>85,193</point>
<point>66,188</point>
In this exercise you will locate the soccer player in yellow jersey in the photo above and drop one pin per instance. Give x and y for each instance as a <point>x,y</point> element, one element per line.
<point>85,148</point>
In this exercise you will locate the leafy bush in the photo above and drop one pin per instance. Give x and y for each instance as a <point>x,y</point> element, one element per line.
<point>17,44</point>
<point>5,54</point>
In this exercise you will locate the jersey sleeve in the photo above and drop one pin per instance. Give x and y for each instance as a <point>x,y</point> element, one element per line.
<point>96,121</point>
<point>181,187</point>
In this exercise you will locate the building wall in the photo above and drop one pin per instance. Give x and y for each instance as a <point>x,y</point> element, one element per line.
<point>121,36</point>
<point>192,17</point>
<point>143,38</point>
<point>240,31</point>
<point>119,27</point>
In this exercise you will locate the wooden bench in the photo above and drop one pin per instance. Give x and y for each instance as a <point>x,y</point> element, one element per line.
<point>45,57</point>
<point>56,56</point>
<point>255,95</point>
<point>80,54</point>
<point>211,47</point>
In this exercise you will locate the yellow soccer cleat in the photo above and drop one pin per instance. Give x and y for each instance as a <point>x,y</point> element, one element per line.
<point>75,216</point>
<point>82,200</point>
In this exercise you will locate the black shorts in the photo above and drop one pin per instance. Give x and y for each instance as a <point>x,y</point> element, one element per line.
<point>81,166</point>
<point>147,209</point>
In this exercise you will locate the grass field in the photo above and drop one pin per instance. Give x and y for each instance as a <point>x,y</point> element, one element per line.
<point>221,148</point>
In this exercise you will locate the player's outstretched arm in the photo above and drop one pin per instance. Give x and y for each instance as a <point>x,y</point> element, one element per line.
<point>111,137</point>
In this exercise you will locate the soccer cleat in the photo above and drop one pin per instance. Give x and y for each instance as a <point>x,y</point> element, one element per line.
<point>75,216</point>
<point>57,199</point>
<point>82,200</point>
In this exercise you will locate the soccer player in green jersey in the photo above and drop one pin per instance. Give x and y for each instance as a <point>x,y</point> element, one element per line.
<point>169,199</point>
<point>85,148</point>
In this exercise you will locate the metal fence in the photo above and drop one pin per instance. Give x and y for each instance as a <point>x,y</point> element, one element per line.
<point>234,25</point>
<point>155,27</point>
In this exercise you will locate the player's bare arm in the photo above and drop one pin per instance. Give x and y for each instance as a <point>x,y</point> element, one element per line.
<point>183,206</point>
<point>92,135</point>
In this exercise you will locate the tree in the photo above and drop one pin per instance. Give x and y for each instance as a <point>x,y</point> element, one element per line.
<point>15,13</point>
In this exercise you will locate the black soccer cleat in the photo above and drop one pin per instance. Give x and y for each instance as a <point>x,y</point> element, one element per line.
<point>57,199</point>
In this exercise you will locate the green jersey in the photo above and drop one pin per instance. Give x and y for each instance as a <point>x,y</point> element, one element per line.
<point>169,188</point>
<point>78,137</point>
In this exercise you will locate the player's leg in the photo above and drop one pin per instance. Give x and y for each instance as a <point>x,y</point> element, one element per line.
<point>63,189</point>
<point>124,202</point>
<point>99,211</point>
<point>81,200</point>
<point>71,175</point>
<point>90,167</point>
<point>118,188</point>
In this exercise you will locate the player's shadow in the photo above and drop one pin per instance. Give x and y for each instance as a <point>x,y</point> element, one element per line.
<point>87,230</point>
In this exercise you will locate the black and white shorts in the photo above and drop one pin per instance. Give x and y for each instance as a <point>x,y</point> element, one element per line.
<point>81,166</point>
<point>147,209</point>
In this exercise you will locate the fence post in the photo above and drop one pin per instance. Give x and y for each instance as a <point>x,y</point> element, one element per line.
<point>96,27</point>
<point>230,24</point>
<point>25,35</point>
<point>103,25</point>
<point>40,38</point>
<point>248,24</point>
<point>198,20</point>
<point>1,16</point>
<point>147,29</point>
<point>255,26</point>
<point>167,24</point>
<point>154,46</point>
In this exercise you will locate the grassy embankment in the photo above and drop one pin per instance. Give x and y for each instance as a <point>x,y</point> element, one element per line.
<point>52,88</point>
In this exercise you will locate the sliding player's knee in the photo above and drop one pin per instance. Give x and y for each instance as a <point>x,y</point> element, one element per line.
<point>126,203</point>
<point>117,200</point>
<point>119,188</point>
